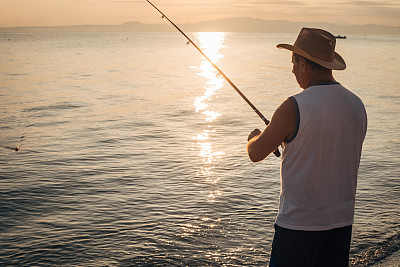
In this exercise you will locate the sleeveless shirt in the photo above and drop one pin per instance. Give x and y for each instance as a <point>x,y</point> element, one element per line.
<point>320,163</point>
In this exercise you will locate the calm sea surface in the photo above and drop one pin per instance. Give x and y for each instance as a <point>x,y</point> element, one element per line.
<point>132,151</point>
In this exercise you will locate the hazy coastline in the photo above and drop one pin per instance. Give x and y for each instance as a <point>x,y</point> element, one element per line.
<point>221,25</point>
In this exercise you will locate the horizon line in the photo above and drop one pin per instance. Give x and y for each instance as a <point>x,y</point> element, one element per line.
<point>229,24</point>
<point>200,22</point>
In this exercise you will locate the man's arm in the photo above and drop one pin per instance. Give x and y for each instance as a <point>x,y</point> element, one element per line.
<point>282,126</point>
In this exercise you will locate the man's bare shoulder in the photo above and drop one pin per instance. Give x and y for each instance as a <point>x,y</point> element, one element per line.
<point>285,115</point>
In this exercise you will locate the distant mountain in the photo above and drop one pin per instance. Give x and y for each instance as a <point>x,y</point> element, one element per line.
<point>220,25</point>
<point>281,26</point>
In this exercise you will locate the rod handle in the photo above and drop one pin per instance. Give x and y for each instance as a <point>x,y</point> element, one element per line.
<point>277,153</point>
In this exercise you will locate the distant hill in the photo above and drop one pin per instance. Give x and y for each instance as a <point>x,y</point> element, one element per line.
<point>220,25</point>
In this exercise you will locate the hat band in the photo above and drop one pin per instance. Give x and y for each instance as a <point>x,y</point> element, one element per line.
<point>319,57</point>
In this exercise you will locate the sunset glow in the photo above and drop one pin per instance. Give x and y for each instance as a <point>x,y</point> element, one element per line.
<point>65,12</point>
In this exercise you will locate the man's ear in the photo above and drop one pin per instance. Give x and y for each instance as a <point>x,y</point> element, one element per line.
<point>303,64</point>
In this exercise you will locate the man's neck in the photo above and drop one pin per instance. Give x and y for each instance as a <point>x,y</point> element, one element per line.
<point>319,77</point>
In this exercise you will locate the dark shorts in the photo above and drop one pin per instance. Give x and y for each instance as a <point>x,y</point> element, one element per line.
<point>311,248</point>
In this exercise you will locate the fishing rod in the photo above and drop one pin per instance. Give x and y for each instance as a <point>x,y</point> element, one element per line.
<point>220,72</point>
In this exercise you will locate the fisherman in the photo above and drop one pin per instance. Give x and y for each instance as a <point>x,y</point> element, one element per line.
<point>321,130</point>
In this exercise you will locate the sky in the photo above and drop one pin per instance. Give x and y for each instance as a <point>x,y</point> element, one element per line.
<point>17,13</point>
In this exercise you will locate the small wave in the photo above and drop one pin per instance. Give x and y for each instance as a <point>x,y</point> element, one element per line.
<point>17,74</point>
<point>377,252</point>
<point>62,106</point>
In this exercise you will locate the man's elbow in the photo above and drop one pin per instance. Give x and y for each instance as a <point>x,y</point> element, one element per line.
<point>255,159</point>
<point>254,155</point>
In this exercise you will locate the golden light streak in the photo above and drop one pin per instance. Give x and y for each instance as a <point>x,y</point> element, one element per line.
<point>210,43</point>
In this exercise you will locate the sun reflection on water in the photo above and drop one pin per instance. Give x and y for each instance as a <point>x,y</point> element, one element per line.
<point>211,43</point>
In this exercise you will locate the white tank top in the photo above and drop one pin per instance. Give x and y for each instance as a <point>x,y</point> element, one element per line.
<point>320,163</point>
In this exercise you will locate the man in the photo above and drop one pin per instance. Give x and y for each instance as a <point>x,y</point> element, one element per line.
<point>321,130</point>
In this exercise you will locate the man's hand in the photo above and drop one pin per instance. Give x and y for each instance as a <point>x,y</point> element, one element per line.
<point>254,133</point>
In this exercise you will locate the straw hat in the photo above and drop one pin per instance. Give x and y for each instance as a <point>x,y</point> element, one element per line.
<point>318,46</point>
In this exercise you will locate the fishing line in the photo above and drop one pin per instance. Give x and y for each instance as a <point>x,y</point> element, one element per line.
<point>220,73</point>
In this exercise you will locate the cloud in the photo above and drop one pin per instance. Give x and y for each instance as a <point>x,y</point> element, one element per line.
<point>371,3</point>
<point>287,3</point>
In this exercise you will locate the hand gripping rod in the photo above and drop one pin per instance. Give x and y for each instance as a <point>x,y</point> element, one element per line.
<point>276,152</point>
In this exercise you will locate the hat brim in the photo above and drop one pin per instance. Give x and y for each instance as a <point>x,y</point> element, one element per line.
<point>337,63</point>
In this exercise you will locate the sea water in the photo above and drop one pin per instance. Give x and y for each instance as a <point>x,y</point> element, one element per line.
<point>127,148</point>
